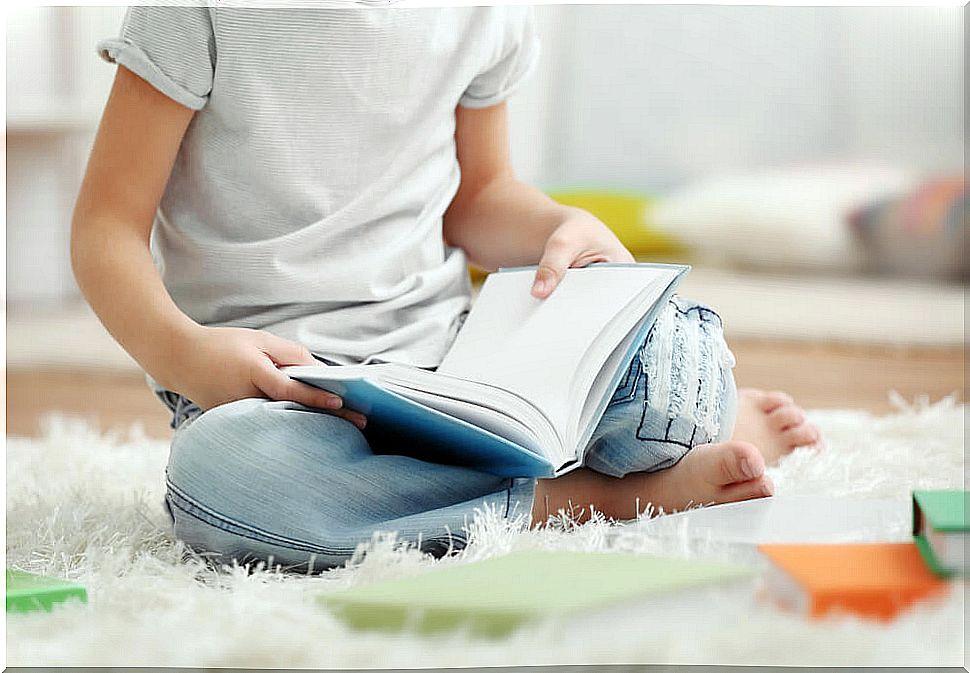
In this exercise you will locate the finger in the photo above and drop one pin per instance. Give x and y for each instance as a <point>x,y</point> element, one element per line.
<point>354,417</point>
<point>556,258</point>
<point>285,352</point>
<point>278,386</point>
<point>307,395</point>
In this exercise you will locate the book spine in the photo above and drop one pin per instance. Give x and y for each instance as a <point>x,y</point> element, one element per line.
<point>917,516</point>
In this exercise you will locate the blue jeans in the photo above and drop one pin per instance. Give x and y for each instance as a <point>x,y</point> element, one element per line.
<point>264,480</point>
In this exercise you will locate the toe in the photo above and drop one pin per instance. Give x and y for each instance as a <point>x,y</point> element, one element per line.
<point>730,462</point>
<point>761,487</point>
<point>786,417</point>
<point>773,399</point>
<point>818,443</point>
<point>805,434</point>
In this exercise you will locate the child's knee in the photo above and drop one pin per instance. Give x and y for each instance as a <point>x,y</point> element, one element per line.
<point>680,394</point>
<point>210,436</point>
<point>687,367</point>
<point>252,428</point>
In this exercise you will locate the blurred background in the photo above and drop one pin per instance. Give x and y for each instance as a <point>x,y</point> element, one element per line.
<point>809,162</point>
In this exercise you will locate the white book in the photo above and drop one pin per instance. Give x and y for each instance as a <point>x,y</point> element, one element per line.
<point>525,382</point>
<point>790,519</point>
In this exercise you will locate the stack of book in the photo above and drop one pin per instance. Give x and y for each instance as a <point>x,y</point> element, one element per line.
<point>940,530</point>
<point>876,580</point>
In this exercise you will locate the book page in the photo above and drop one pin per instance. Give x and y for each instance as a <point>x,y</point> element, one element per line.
<point>534,347</point>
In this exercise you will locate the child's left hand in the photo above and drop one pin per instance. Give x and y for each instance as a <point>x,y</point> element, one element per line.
<point>581,239</point>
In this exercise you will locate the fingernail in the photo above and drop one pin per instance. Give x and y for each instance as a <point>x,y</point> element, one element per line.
<point>334,403</point>
<point>539,287</point>
<point>361,423</point>
<point>767,489</point>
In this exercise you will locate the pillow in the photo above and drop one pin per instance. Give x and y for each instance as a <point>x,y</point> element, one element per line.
<point>621,211</point>
<point>923,233</point>
<point>794,217</point>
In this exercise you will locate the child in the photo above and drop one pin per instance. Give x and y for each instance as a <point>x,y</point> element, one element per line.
<point>288,186</point>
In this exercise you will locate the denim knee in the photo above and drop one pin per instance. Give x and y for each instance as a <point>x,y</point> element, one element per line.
<point>677,393</point>
<point>234,479</point>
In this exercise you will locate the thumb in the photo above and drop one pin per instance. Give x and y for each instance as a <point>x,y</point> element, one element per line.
<point>556,258</point>
<point>285,352</point>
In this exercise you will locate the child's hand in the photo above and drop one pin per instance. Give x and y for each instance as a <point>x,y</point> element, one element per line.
<point>581,239</point>
<point>222,364</point>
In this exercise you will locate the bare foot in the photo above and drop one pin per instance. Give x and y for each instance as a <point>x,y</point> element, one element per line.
<point>708,474</point>
<point>774,423</point>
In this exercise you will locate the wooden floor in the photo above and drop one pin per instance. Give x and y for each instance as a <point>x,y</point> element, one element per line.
<point>818,376</point>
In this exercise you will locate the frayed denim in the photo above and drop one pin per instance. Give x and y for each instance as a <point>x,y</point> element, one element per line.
<point>677,393</point>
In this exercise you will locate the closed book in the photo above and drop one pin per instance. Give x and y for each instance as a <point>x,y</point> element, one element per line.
<point>784,519</point>
<point>492,598</point>
<point>27,592</point>
<point>940,529</point>
<point>870,580</point>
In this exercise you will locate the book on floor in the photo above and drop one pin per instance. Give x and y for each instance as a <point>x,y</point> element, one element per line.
<point>785,519</point>
<point>874,580</point>
<point>526,381</point>
<point>941,531</point>
<point>27,592</point>
<point>492,598</point>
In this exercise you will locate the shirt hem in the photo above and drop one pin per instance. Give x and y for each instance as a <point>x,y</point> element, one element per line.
<point>474,102</point>
<point>122,52</point>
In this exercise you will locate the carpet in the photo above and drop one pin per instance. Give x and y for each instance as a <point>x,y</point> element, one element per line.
<point>87,506</point>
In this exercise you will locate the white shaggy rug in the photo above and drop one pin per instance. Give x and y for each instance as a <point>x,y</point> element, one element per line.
<point>88,507</point>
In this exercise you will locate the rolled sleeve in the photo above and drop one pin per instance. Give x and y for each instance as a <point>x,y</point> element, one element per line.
<point>171,48</point>
<point>513,60</point>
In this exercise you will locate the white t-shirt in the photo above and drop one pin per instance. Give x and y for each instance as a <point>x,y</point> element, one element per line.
<point>308,193</point>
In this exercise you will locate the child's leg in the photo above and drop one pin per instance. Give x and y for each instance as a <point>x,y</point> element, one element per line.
<point>256,479</point>
<point>677,393</point>
<point>677,432</point>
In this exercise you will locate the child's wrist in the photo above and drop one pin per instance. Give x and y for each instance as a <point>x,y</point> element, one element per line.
<point>173,352</point>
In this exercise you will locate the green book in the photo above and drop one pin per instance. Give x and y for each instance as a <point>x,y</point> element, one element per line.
<point>27,592</point>
<point>941,531</point>
<point>494,597</point>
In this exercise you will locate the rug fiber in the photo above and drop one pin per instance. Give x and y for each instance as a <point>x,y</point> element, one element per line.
<point>87,506</point>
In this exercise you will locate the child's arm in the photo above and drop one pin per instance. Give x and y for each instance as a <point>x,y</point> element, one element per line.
<point>500,221</point>
<point>130,163</point>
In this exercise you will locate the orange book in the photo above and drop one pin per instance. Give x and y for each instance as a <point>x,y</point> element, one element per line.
<point>871,580</point>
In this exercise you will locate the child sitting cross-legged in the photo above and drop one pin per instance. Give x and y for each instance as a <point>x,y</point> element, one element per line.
<point>273,187</point>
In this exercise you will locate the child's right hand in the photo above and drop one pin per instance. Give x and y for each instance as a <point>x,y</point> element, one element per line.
<point>218,365</point>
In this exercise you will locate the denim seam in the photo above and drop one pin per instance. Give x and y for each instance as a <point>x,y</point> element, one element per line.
<point>660,440</point>
<point>609,466</point>
<point>260,535</point>
<point>702,311</point>
<point>630,394</point>
<point>230,524</point>
<point>225,526</point>
<point>508,498</point>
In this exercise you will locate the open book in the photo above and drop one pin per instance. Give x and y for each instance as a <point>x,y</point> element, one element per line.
<point>526,381</point>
